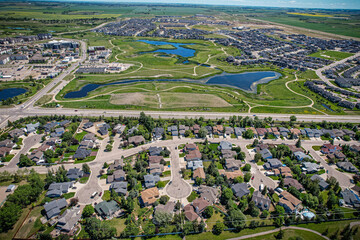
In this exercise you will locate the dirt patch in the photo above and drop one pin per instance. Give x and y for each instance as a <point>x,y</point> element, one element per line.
<point>138,99</point>
<point>175,100</point>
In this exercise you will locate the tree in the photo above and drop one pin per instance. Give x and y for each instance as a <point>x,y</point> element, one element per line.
<point>202,132</point>
<point>86,168</point>
<point>257,157</point>
<point>247,177</point>
<point>208,212</point>
<point>235,219</point>
<point>44,236</point>
<point>88,211</point>
<point>218,228</point>
<point>67,136</point>
<point>293,118</point>
<point>253,209</point>
<point>264,214</point>
<point>130,230</point>
<point>9,214</point>
<point>187,133</point>
<point>332,201</point>
<point>108,147</point>
<point>99,229</point>
<point>162,218</point>
<point>164,199</point>
<point>247,167</point>
<point>248,134</point>
<point>298,143</point>
<point>106,165</point>
<point>24,161</point>
<point>253,224</point>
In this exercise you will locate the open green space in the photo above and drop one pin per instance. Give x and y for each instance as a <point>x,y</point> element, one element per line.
<point>331,55</point>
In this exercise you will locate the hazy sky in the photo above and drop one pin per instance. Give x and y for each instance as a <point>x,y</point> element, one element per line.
<point>337,4</point>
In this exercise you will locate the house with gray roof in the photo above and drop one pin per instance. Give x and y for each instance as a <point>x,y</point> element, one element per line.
<point>74,174</point>
<point>107,209</point>
<point>31,127</point>
<point>265,153</point>
<point>151,180</point>
<point>155,151</point>
<point>310,167</point>
<point>117,176</point>
<point>240,189</point>
<point>82,153</point>
<point>53,208</point>
<point>119,187</point>
<point>261,201</point>
<point>193,165</point>
<point>169,207</point>
<point>350,198</point>
<point>173,130</point>
<point>88,125</point>
<point>239,131</point>
<point>158,133</point>
<point>347,166</point>
<point>58,189</point>
<point>322,183</point>
<point>272,163</point>
<point>69,219</point>
<point>301,156</point>
<point>225,145</point>
<point>210,194</point>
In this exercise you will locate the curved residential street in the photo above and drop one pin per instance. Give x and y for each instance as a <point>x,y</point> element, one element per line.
<point>177,187</point>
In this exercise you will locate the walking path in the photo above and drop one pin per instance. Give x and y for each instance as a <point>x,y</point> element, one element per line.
<point>278,229</point>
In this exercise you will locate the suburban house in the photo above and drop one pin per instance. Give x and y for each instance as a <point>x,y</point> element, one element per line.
<point>117,176</point>
<point>119,128</point>
<point>82,153</point>
<point>155,151</point>
<point>37,157</point>
<point>190,214</point>
<point>31,127</point>
<point>310,167</point>
<point>173,130</point>
<point>158,133</point>
<point>350,198</point>
<point>231,175</point>
<point>88,125</point>
<point>149,196</point>
<point>119,187</point>
<point>289,202</point>
<point>301,156</point>
<point>232,164</point>
<point>156,168</point>
<point>347,166</point>
<point>272,163</point>
<point>53,208</point>
<point>58,189</point>
<point>193,165</point>
<point>16,132</point>
<point>136,140</point>
<point>218,130</point>
<point>167,208</point>
<point>199,173</point>
<point>74,174</point>
<point>285,172</point>
<point>210,194</point>
<point>240,189</point>
<point>322,183</point>
<point>265,153</point>
<point>155,159</point>
<point>107,209</point>
<point>261,201</point>
<point>291,182</point>
<point>329,148</point>
<point>150,180</point>
<point>69,219</point>
<point>224,145</point>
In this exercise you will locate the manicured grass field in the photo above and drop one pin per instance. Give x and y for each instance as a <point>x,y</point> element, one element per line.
<point>331,55</point>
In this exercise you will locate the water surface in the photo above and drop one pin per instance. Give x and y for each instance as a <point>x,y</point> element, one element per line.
<point>11,92</point>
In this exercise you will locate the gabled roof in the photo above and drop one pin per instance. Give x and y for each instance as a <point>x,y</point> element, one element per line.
<point>240,189</point>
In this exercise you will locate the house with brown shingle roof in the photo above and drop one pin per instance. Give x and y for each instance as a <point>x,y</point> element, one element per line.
<point>149,196</point>
<point>294,183</point>
<point>231,175</point>
<point>190,214</point>
<point>292,199</point>
<point>199,173</point>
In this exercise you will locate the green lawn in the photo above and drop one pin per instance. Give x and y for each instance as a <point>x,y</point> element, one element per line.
<point>68,195</point>
<point>332,227</point>
<point>9,157</point>
<point>331,55</point>
<point>118,223</point>
<point>227,234</point>
<point>290,234</point>
<point>106,195</point>
<point>316,148</point>
<point>88,159</point>
<point>192,196</point>
<point>79,136</point>
<point>84,180</point>
<point>214,218</point>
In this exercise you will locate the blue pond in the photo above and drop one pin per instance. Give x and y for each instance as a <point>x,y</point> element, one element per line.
<point>180,50</point>
<point>246,81</point>
<point>11,92</point>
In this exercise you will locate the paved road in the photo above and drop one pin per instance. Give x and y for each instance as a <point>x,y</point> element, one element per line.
<point>177,187</point>
<point>28,143</point>
<point>320,70</point>
<point>278,229</point>
<point>342,178</point>
<point>96,165</point>
<point>259,177</point>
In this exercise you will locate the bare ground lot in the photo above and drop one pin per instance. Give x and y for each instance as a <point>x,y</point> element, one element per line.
<point>139,99</point>
<point>175,100</point>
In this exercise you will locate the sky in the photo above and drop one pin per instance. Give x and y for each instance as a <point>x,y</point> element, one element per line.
<point>327,4</point>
